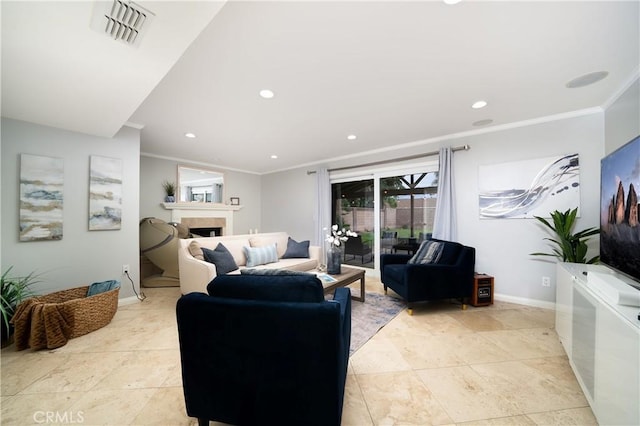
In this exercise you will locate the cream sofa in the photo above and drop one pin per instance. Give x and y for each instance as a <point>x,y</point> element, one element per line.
<point>196,274</point>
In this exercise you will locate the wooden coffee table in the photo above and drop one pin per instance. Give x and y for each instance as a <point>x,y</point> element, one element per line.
<point>348,276</point>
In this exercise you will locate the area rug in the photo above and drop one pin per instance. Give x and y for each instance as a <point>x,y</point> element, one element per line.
<point>369,317</point>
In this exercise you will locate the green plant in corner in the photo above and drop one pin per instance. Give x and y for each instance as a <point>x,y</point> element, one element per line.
<point>570,247</point>
<point>13,290</point>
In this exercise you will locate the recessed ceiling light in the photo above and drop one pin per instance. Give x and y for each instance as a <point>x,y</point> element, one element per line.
<point>189,135</point>
<point>479,104</point>
<point>274,156</point>
<point>352,137</point>
<point>451,1</point>
<point>482,122</point>
<point>587,79</point>
<point>267,94</point>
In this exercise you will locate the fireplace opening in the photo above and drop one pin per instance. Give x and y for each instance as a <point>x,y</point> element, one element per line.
<point>206,232</point>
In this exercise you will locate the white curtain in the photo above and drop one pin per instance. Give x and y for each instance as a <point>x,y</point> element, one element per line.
<point>323,209</point>
<point>444,226</point>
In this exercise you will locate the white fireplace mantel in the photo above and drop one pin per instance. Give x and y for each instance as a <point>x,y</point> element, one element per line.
<point>200,206</point>
<point>203,210</point>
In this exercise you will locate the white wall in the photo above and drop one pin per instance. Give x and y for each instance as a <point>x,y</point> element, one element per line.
<point>622,118</point>
<point>289,203</point>
<point>246,186</point>
<point>153,172</point>
<point>502,245</point>
<point>82,256</point>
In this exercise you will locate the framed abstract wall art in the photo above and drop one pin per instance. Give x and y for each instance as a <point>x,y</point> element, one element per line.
<point>105,193</point>
<point>524,189</point>
<point>41,197</point>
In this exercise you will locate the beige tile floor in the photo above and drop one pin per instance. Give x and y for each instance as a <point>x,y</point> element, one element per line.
<point>497,365</point>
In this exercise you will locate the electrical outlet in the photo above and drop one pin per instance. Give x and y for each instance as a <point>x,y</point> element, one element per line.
<point>125,269</point>
<point>546,282</point>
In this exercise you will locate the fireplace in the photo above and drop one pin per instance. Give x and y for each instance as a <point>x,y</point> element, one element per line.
<point>206,232</point>
<point>205,226</point>
<point>212,217</point>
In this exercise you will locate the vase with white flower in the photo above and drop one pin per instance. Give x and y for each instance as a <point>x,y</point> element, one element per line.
<point>336,241</point>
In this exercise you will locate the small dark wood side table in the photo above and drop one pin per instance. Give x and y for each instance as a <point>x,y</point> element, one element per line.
<point>482,290</point>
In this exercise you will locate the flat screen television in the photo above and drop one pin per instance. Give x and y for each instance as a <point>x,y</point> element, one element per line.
<point>620,210</point>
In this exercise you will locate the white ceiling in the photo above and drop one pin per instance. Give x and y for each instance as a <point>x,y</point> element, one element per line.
<point>58,72</point>
<point>391,73</point>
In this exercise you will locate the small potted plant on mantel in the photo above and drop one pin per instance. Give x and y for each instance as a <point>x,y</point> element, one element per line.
<point>170,191</point>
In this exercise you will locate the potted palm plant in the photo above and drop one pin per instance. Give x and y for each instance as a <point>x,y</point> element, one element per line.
<point>13,290</point>
<point>170,191</point>
<point>569,247</point>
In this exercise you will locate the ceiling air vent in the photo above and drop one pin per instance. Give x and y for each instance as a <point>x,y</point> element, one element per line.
<point>121,20</point>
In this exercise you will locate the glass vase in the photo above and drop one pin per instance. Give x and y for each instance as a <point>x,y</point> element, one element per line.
<point>334,259</point>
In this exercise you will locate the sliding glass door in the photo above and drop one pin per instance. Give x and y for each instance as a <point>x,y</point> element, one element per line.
<point>391,213</point>
<point>353,208</point>
<point>407,209</point>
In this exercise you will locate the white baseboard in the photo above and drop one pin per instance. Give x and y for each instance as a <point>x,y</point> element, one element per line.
<point>128,301</point>
<point>524,301</point>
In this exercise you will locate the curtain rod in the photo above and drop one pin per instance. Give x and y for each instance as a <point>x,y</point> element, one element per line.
<point>410,157</point>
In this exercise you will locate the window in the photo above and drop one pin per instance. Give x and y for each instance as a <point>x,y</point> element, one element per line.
<point>408,205</point>
<point>397,210</point>
<point>353,208</point>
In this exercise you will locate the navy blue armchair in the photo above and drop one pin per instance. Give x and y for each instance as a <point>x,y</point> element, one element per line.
<point>449,276</point>
<point>265,350</point>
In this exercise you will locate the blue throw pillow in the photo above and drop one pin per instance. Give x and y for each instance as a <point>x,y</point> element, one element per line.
<point>296,249</point>
<point>429,252</point>
<point>221,257</point>
<point>261,255</point>
<point>101,287</point>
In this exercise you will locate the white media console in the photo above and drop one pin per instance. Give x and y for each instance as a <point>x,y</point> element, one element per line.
<point>599,328</point>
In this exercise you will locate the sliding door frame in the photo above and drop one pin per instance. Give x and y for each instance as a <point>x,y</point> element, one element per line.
<point>377,173</point>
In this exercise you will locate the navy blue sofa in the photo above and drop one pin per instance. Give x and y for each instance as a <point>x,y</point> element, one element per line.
<point>265,350</point>
<point>450,277</point>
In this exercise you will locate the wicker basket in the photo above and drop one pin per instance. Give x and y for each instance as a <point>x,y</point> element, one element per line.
<point>81,315</point>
